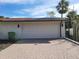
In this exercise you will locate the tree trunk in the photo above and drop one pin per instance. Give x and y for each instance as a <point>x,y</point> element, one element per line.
<point>61,16</point>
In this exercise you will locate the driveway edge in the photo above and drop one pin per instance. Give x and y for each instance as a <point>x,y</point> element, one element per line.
<point>72,41</point>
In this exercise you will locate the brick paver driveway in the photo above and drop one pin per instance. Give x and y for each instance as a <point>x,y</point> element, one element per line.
<point>41,49</point>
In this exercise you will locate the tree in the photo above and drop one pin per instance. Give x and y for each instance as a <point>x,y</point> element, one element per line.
<point>51,14</point>
<point>71,16</point>
<point>62,7</point>
<point>77,19</point>
<point>1,16</point>
<point>73,20</point>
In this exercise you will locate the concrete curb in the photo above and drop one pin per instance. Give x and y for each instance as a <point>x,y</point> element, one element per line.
<point>72,41</point>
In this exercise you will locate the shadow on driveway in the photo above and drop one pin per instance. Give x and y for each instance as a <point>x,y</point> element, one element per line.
<point>4,44</point>
<point>33,41</point>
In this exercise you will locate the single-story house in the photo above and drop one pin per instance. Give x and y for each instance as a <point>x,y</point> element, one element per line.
<point>27,28</point>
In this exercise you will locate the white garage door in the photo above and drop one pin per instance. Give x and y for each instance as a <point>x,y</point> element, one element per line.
<point>41,31</point>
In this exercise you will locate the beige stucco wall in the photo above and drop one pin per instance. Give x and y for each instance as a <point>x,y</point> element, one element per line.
<point>32,30</point>
<point>63,29</point>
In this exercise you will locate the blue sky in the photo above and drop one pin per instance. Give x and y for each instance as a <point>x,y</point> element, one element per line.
<point>32,8</point>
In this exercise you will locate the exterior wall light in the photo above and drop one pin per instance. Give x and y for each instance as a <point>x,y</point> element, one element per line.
<point>62,24</point>
<point>18,25</point>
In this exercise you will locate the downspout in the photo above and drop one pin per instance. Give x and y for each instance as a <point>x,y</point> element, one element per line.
<point>61,25</point>
<point>60,29</point>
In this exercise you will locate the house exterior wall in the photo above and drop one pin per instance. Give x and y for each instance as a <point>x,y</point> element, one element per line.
<point>50,29</point>
<point>4,29</point>
<point>63,29</point>
<point>41,30</point>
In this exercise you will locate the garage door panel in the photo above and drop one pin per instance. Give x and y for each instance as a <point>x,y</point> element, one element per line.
<point>41,31</point>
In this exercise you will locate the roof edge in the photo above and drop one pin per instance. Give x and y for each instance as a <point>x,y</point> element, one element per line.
<point>30,19</point>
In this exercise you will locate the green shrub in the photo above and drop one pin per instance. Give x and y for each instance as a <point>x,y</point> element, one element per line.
<point>11,36</point>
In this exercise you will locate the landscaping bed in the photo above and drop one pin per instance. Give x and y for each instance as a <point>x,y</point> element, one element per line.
<point>5,43</point>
